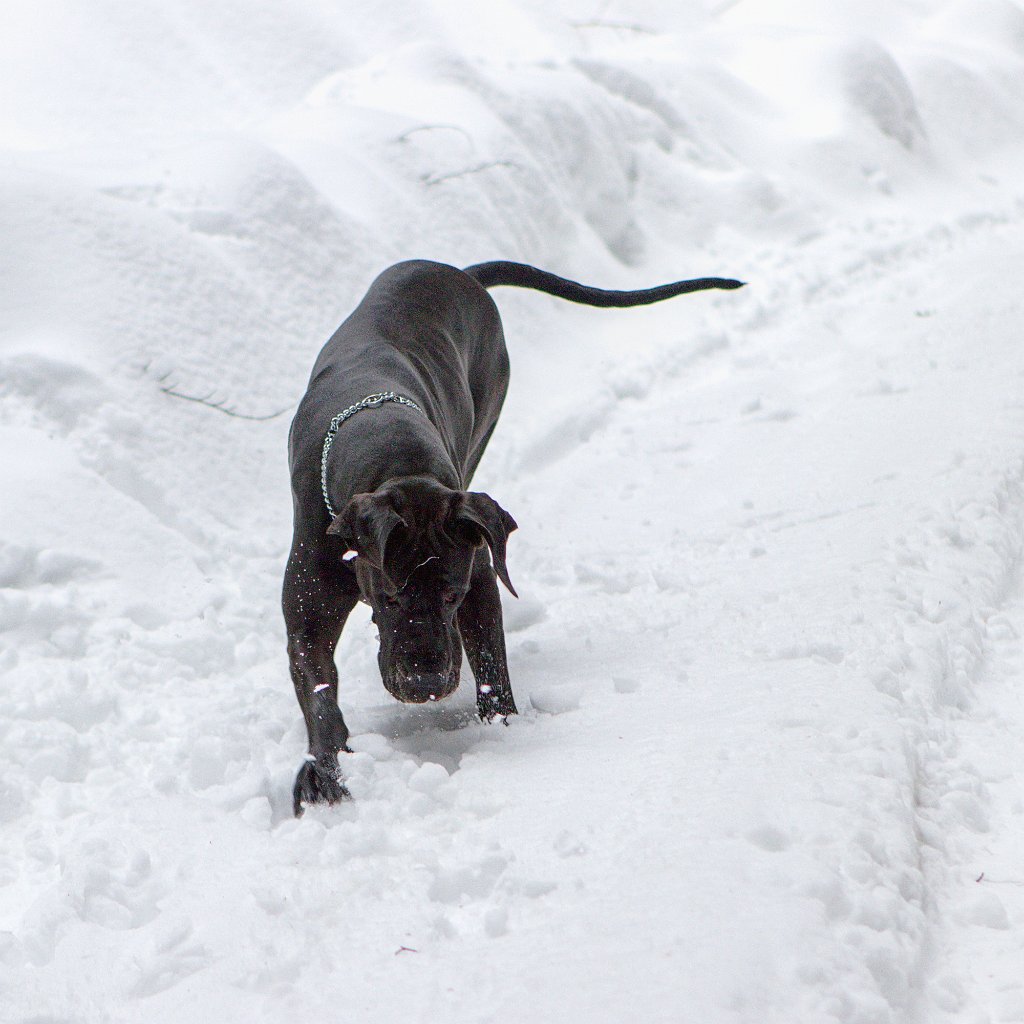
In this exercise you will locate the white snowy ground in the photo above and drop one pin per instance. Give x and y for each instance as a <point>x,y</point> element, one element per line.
<point>768,650</point>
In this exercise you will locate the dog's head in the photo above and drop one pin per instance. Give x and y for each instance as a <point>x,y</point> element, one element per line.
<point>415,542</point>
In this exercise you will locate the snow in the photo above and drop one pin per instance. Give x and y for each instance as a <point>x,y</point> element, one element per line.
<point>768,646</point>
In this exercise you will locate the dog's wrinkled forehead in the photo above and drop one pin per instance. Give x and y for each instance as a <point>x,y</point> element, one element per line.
<point>414,576</point>
<point>418,556</point>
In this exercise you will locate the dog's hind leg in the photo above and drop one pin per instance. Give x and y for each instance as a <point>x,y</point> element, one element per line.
<point>483,636</point>
<point>316,600</point>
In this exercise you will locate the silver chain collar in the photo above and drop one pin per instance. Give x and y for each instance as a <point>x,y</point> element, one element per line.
<point>369,402</point>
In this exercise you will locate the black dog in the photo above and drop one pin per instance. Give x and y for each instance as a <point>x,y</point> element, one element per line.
<point>400,406</point>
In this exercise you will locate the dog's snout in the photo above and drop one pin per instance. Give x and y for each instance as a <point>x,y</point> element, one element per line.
<point>427,686</point>
<point>423,687</point>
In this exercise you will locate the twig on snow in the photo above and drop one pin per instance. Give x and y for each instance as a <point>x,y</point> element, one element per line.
<point>436,179</point>
<point>219,404</point>
<point>404,137</point>
<point>171,388</point>
<point>999,881</point>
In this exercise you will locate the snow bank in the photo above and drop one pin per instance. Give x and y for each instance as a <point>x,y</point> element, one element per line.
<point>770,541</point>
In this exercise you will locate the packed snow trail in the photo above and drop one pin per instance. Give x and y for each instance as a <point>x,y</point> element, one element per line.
<point>768,648</point>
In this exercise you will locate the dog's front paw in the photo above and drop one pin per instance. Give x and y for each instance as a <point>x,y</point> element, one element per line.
<point>318,782</point>
<point>491,705</point>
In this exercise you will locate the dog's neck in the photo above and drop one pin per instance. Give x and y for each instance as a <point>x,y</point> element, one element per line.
<point>391,443</point>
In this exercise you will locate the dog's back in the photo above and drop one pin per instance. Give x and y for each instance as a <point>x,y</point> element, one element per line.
<point>427,331</point>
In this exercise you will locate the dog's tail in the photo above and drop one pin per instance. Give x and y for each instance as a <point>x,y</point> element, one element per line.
<point>522,275</point>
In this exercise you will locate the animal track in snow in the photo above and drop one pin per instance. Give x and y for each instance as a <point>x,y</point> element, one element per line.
<point>173,955</point>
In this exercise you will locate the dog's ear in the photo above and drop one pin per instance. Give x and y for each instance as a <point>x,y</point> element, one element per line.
<point>365,525</point>
<point>484,520</point>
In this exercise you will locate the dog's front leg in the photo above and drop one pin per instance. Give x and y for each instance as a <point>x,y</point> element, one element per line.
<point>316,603</point>
<point>483,636</point>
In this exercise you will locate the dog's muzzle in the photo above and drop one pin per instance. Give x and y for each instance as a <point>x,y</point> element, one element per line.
<point>422,687</point>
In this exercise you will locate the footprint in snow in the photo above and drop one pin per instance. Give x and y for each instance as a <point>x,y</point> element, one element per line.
<point>770,839</point>
<point>174,956</point>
